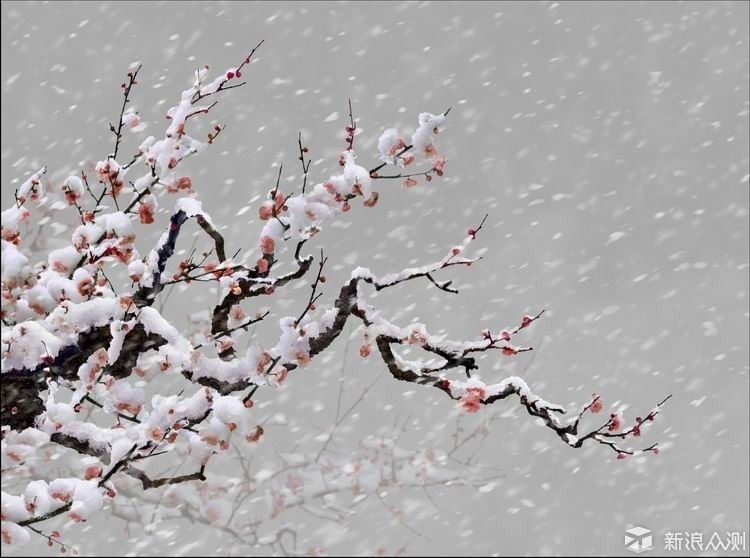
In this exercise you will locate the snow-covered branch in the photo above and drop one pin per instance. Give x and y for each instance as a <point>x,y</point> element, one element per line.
<point>84,348</point>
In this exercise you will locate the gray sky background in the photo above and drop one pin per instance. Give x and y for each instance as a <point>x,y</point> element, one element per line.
<point>607,141</point>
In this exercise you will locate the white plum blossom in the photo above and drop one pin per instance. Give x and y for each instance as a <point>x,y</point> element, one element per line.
<point>32,188</point>
<point>390,144</point>
<point>424,137</point>
<point>130,119</point>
